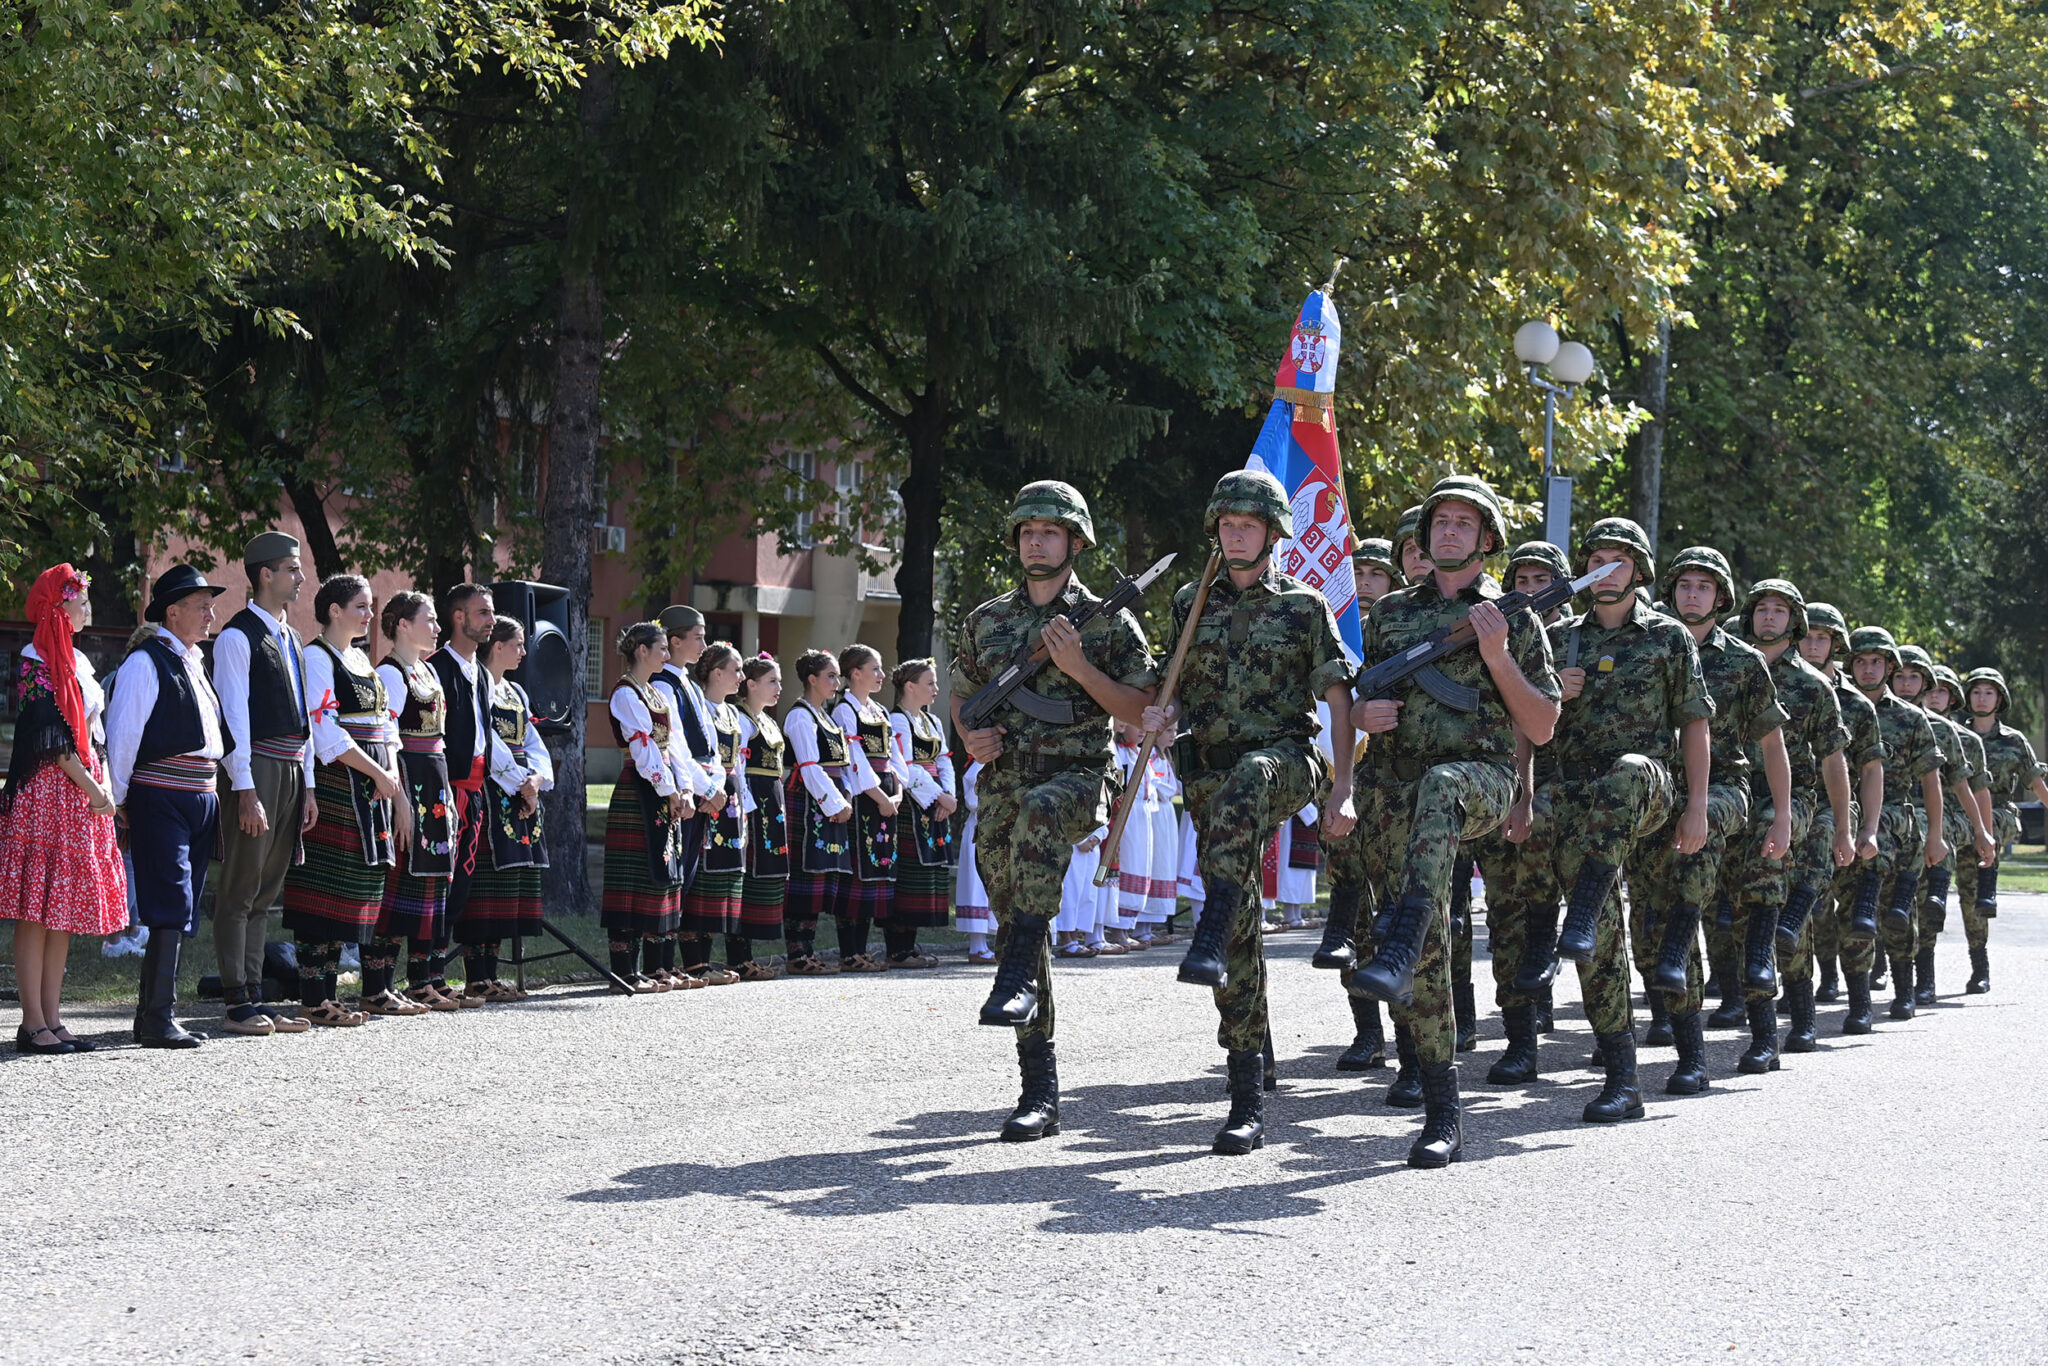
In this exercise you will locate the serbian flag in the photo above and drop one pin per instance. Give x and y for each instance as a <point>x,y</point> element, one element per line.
<point>1298,446</point>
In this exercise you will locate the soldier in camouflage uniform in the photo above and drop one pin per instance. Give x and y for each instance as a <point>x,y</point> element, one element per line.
<point>1669,890</point>
<point>1909,835</point>
<point>1264,652</point>
<point>1773,618</point>
<point>1378,573</point>
<point>1409,551</point>
<point>1045,784</point>
<point>1825,646</point>
<point>1434,776</point>
<point>1517,858</point>
<point>1963,827</point>
<point>1631,679</point>
<point>2014,770</point>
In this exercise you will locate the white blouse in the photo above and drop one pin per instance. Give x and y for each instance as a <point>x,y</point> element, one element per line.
<point>506,769</point>
<point>864,778</point>
<point>88,687</point>
<point>663,767</point>
<point>330,740</point>
<point>743,794</point>
<point>924,788</point>
<point>800,728</point>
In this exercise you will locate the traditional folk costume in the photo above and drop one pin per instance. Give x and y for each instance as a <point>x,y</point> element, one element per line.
<point>1133,881</point>
<point>643,851</point>
<point>336,895</point>
<point>416,892</point>
<point>165,738</point>
<point>1080,901</point>
<point>504,893</point>
<point>260,673</point>
<point>469,756</point>
<point>697,732</point>
<point>60,864</point>
<point>711,906</point>
<point>871,892</point>
<point>822,863</point>
<point>766,885</point>
<point>970,897</point>
<point>925,852</point>
<point>1162,887</point>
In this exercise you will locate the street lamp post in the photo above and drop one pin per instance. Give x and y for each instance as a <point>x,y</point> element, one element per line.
<point>1557,368</point>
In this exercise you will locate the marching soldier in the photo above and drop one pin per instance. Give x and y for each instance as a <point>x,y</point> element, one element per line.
<point>1964,828</point>
<point>1675,887</point>
<point>1044,785</point>
<point>1631,680</point>
<point>1436,776</point>
<point>1825,646</point>
<point>2014,770</point>
<point>1904,845</point>
<point>1264,651</point>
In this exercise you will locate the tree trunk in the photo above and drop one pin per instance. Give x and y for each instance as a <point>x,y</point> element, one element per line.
<point>922,502</point>
<point>312,510</point>
<point>570,497</point>
<point>1647,467</point>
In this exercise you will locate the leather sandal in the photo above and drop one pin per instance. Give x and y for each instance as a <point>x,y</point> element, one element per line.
<point>752,971</point>
<point>643,985</point>
<point>431,999</point>
<point>713,974</point>
<point>811,965</point>
<point>392,1004</point>
<point>463,1000</point>
<point>913,959</point>
<point>861,962</point>
<point>507,991</point>
<point>331,1016</point>
<point>257,1026</point>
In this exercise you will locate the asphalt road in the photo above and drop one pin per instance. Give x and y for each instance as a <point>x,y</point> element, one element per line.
<point>805,1168</point>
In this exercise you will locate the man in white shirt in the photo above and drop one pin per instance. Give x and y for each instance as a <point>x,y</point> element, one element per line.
<point>259,672</point>
<point>166,736</point>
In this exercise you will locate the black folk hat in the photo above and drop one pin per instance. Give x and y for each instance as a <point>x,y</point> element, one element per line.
<point>180,580</point>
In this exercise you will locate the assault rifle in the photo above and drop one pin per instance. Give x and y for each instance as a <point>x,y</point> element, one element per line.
<point>1418,661</point>
<point>979,711</point>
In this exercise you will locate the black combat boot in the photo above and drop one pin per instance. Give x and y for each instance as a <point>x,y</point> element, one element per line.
<point>1659,1034</point>
<point>1518,1063</point>
<point>1461,894</point>
<point>1801,1037</point>
<point>1829,991</point>
<point>1987,893</point>
<point>1269,1066</point>
<point>1792,919</point>
<point>1762,1054</point>
<point>1442,1140</point>
<point>1245,1130</point>
<point>1546,1015</point>
<point>1689,1078</point>
<point>1406,1092</point>
<point>1902,987</point>
<point>156,1024</point>
<point>1731,1013</point>
<point>1013,999</point>
<point>1467,1013</point>
<point>1923,977</point>
<point>1980,970</point>
<point>1857,1021</point>
<point>1339,949</point>
<point>1582,912</point>
<point>1204,965</point>
<point>1934,897</point>
<point>1390,976</point>
<point>1898,916</point>
<point>1759,970</point>
<point>1369,1041</point>
<point>1675,949</point>
<point>1863,911</point>
<point>1538,968</point>
<point>1620,1098</point>
<point>1785,1000</point>
<point>1038,1105</point>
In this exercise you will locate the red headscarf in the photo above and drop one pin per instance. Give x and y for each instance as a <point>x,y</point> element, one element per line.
<point>53,642</point>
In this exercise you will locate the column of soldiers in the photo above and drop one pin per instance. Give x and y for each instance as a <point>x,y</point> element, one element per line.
<point>1738,764</point>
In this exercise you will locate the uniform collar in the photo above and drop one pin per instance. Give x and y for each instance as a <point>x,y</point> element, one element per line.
<point>1069,595</point>
<point>1482,589</point>
<point>1717,639</point>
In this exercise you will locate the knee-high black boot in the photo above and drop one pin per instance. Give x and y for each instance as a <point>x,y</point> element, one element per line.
<point>1863,911</point>
<point>1857,1021</point>
<point>1689,1078</point>
<point>1406,1092</point>
<point>1759,971</point>
<point>1013,999</point>
<point>1339,949</point>
<point>1518,1063</point>
<point>1902,987</point>
<point>1980,970</point>
<point>1621,1098</point>
<point>1934,895</point>
<point>1801,1037</point>
<point>156,1007</point>
<point>1675,949</point>
<point>1038,1104</point>
<point>1245,1130</point>
<point>1987,892</point>
<point>1442,1140</point>
<point>1206,961</point>
<point>1466,1011</point>
<point>1792,919</point>
<point>1582,913</point>
<point>1659,1034</point>
<point>1898,916</point>
<point>1390,976</point>
<point>1762,1054</point>
<point>1538,968</point>
<point>1923,977</point>
<point>1369,1040</point>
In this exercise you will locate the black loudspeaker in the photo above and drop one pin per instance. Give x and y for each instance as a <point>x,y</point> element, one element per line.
<point>551,675</point>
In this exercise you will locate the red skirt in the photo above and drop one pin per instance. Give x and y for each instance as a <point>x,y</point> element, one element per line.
<point>59,865</point>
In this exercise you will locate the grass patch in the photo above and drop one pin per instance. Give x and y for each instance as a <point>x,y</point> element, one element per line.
<point>2024,870</point>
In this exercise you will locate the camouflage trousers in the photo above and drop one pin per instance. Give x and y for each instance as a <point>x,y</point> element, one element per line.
<point>1413,830</point>
<point>1518,876</point>
<point>1811,865</point>
<point>1962,853</point>
<point>1025,840</point>
<point>1754,885</point>
<point>1824,927</point>
<point>2005,829</point>
<point>1661,879</point>
<point>1899,841</point>
<point>1234,813</point>
<point>1605,818</point>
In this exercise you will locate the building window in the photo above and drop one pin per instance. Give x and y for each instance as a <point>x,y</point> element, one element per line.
<point>804,465</point>
<point>594,650</point>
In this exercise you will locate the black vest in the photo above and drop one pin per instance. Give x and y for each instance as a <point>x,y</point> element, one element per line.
<point>700,744</point>
<point>174,725</point>
<point>273,712</point>
<point>464,741</point>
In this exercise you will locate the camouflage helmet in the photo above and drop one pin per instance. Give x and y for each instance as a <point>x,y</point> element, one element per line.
<point>1378,552</point>
<point>1825,616</point>
<point>1779,588</point>
<point>1945,677</point>
<point>1874,640</point>
<point>1253,492</point>
<point>1913,657</point>
<point>1623,534</point>
<point>1409,528</point>
<point>1703,559</point>
<point>1053,500</point>
<point>1463,488</point>
<point>1538,552</point>
<point>1995,679</point>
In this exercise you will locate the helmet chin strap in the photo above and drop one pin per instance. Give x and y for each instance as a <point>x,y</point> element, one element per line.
<point>1763,639</point>
<point>1051,571</point>
<point>1693,618</point>
<point>1240,566</point>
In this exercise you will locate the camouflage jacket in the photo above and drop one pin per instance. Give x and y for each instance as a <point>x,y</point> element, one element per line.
<point>1429,730</point>
<point>1262,658</point>
<point>2011,761</point>
<point>1911,750</point>
<point>1866,740</point>
<point>1643,682</point>
<point>1962,754</point>
<point>1746,706</point>
<point>1813,728</point>
<point>990,639</point>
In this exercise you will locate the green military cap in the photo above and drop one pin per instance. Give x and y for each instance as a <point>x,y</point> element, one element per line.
<point>1053,500</point>
<point>1825,616</point>
<point>1254,493</point>
<point>1410,524</point>
<point>1539,552</point>
<point>1623,534</point>
<point>680,620</point>
<point>1379,551</point>
<point>1702,559</point>
<point>1777,588</point>
<point>268,548</point>
<point>1995,679</point>
<point>1865,640</point>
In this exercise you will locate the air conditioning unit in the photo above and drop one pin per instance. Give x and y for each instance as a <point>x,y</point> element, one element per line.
<point>611,539</point>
